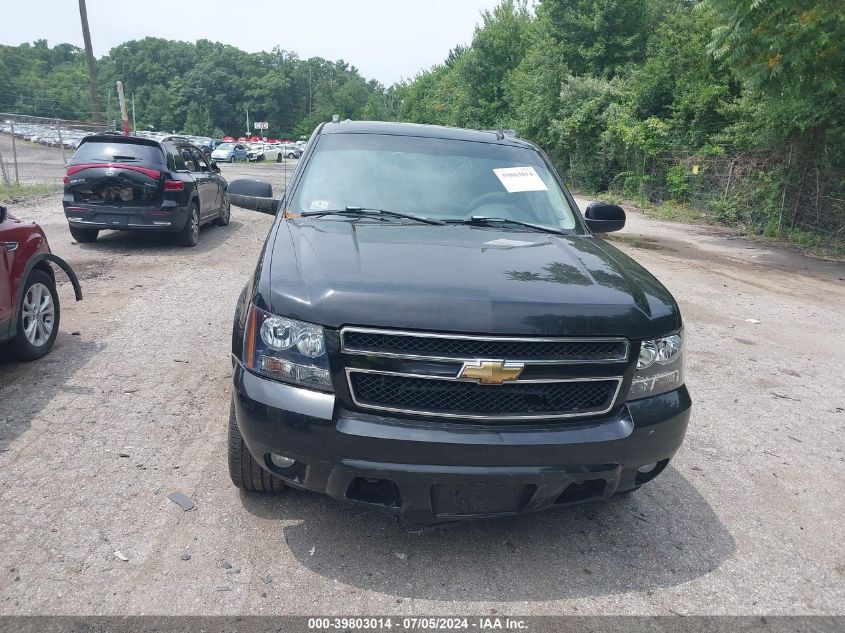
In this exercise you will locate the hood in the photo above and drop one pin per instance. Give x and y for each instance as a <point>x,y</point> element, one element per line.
<point>460,279</point>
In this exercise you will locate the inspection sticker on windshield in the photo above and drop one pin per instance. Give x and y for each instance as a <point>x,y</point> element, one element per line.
<point>319,205</point>
<point>519,179</point>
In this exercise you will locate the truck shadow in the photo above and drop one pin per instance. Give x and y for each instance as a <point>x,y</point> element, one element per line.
<point>663,535</point>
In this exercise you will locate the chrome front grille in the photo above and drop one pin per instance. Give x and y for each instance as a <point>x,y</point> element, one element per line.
<point>423,374</point>
<point>454,347</point>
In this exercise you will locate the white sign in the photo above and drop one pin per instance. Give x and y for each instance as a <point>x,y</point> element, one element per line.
<point>519,179</point>
<point>261,125</point>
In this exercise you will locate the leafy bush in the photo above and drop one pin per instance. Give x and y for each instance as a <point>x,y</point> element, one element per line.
<point>677,183</point>
<point>724,212</point>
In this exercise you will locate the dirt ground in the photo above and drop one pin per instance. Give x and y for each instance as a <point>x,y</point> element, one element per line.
<point>132,405</point>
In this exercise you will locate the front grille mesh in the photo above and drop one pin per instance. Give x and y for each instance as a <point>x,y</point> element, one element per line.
<point>468,398</point>
<point>377,342</point>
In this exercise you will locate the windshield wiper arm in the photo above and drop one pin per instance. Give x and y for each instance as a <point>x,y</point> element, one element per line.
<point>479,220</point>
<point>364,211</point>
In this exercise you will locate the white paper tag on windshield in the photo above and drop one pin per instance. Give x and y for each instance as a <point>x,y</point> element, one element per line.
<point>519,179</point>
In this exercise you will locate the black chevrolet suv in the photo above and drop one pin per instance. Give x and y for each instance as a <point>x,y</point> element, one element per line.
<point>129,183</point>
<point>434,330</point>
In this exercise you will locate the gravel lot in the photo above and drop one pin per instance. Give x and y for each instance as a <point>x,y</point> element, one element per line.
<point>132,405</point>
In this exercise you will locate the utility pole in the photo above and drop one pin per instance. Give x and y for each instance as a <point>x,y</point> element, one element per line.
<point>123,114</point>
<point>134,126</point>
<point>89,60</point>
<point>310,93</point>
<point>247,121</point>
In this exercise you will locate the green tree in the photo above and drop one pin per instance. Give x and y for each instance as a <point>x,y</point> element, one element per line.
<point>599,37</point>
<point>791,54</point>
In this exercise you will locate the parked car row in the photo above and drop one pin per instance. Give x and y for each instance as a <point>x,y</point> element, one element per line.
<point>262,151</point>
<point>48,135</point>
<point>214,149</point>
<point>231,150</point>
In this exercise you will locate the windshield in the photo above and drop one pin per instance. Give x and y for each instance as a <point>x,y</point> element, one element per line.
<point>226,146</point>
<point>440,179</point>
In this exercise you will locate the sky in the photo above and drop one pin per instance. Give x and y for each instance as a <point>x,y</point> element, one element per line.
<point>387,40</point>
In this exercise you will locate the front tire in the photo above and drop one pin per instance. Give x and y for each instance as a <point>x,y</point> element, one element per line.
<point>278,158</point>
<point>38,320</point>
<point>232,158</point>
<point>190,235</point>
<point>83,235</point>
<point>245,472</point>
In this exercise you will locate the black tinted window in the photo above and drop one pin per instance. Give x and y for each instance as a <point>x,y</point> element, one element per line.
<point>189,159</point>
<point>110,151</point>
<point>199,158</point>
<point>178,161</point>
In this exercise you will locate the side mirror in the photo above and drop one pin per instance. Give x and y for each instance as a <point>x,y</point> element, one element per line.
<point>215,167</point>
<point>603,217</point>
<point>256,195</point>
<point>2,213</point>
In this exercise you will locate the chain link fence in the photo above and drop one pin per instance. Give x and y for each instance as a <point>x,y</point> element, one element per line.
<point>34,151</point>
<point>769,192</point>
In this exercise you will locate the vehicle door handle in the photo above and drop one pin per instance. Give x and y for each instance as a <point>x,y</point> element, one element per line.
<point>11,246</point>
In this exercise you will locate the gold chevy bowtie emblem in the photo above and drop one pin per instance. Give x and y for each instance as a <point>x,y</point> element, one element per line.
<point>491,372</point>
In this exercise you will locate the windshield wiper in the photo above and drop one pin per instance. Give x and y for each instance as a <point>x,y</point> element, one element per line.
<point>479,220</point>
<point>365,212</point>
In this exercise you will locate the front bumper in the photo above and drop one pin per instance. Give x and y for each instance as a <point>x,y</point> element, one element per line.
<point>428,472</point>
<point>166,218</point>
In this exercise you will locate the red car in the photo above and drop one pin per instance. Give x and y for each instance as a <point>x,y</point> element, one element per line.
<point>29,304</point>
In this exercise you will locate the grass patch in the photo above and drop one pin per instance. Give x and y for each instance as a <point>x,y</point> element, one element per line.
<point>677,212</point>
<point>16,192</point>
<point>805,240</point>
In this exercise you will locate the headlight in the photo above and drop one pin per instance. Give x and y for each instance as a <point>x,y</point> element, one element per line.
<point>286,349</point>
<point>660,367</point>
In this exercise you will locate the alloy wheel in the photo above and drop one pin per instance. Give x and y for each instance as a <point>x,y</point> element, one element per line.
<point>195,224</point>
<point>39,314</point>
